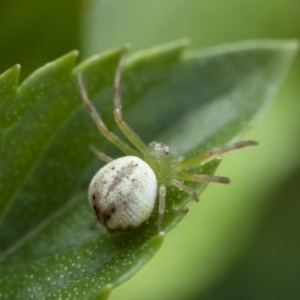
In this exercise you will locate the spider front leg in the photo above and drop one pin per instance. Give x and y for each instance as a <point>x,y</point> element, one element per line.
<point>135,140</point>
<point>114,139</point>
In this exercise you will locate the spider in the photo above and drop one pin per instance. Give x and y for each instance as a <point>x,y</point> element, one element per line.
<point>123,193</point>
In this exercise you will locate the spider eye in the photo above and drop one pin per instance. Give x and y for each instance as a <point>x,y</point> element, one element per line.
<point>159,149</point>
<point>167,150</point>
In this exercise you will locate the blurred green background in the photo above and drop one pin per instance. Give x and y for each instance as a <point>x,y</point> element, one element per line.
<point>242,241</point>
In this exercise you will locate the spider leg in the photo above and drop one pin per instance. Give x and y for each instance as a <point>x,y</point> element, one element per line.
<point>181,186</point>
<point>114,139</point>
<point>101,155</point>
<point>161,205</point>
<point>185,176</point>
<point>198,158</point>
<point>126,130</point>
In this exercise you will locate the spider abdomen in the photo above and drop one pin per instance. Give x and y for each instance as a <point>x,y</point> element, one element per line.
<point>123,193</point>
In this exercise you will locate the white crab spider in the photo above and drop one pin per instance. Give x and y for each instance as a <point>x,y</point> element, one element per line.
<point>123,192</point>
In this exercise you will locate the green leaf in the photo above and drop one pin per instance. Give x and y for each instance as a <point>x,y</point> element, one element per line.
<point>191,100</point>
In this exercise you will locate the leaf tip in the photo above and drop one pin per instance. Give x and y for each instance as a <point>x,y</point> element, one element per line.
<point>74,53</point>
<point>16,67</point>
